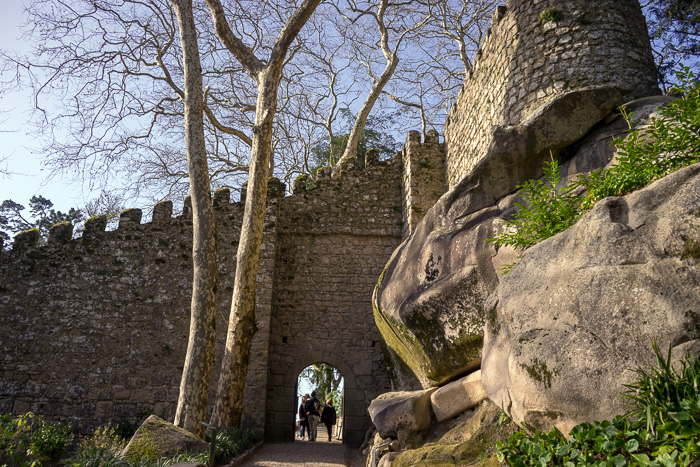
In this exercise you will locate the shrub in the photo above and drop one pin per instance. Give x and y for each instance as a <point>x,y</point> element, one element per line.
<point>665,145</point>
<point>231,442</point>
<point>29,440</point>
<point>661,429</point>
<point>551,14</point>
<point>544,213</point>
<point>103,448</point>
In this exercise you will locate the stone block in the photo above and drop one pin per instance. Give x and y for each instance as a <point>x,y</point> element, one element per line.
<point>103,409</point>
<point>394,411</point>
<point>457,396</point>
<point>121,394</point>
<point>21,407</point>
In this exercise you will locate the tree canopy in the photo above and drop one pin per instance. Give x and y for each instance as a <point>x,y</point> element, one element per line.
<point>674,27</point>
<point>41,216</point>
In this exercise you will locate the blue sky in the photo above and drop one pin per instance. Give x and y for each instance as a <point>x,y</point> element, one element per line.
<point>27,178</point>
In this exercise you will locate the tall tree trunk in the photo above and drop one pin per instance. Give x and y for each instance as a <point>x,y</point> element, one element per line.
<point>228,406</point>
<point>196,374</point>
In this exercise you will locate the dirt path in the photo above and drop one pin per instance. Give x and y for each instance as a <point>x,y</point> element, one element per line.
<point>304,453</point>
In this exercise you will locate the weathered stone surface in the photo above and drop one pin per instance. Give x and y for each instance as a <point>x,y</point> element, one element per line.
<point>429,301</point>
<point>61,232</point>
<point>392,412</point>
<point>457,396</point>
<point>157,438</point>
<point>112,309</point>
<point>470,443</point>
<point>580,309</point>
<point>25,240</point>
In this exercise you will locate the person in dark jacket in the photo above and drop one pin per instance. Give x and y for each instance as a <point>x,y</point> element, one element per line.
<point>303,420</point>
<point>328,417</point>
<point>312,415</point>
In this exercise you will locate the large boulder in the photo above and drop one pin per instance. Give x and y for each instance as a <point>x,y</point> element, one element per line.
<point>429,302</point>
<point>157,438</point>
<point>579,310</point>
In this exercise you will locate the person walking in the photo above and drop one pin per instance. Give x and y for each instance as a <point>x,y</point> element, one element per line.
<point>328,417</point>
<point>303,420</point>
<point>312,415</point>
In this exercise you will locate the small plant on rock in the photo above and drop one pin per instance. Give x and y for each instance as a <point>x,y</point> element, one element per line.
<point>544,212</point>
<point>551,14</point>
<point>665,145</point>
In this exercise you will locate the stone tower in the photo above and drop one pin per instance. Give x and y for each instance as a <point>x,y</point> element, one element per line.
<point>536,50</point>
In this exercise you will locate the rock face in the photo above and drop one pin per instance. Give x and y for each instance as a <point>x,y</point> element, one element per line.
<point>469,443</point>
<point>429,302</point>
<point>157,438</point>
<point>581,308</point>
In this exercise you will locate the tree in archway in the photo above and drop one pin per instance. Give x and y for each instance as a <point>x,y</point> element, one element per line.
<point>325,379</point>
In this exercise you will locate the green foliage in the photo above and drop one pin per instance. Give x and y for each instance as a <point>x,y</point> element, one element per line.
<point>29,440</point>
<point>674,28</point>
<point>43,216</point>
<point>663,392</point>
<point>104,449</point>
<point>661,429</point>
<point>665,145</point>
<point>374,136</point>
<point>551,14</point>
<point>545,213</point>
<point>231,442</point>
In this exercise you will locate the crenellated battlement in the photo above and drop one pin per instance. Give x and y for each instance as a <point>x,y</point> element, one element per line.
<point>112,306</point>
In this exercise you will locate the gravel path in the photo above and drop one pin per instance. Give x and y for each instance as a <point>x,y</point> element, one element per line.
<point>303,453</point>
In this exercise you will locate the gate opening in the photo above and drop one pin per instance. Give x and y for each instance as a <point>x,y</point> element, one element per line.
<point>329,386</point>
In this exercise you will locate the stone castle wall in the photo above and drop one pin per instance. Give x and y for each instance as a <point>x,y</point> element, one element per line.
<point>536,50</point>
<point>94,330</point>
<point>424,180</point>
<point>333,243</point>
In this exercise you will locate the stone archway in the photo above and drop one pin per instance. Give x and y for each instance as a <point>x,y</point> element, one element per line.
<point>280,417</point>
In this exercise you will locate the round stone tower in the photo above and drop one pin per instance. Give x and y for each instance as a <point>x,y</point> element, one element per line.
<point>538,49</point>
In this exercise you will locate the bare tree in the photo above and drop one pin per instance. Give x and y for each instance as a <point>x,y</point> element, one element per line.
<point>194,386</point>
<point>402,22</point>
<point>117,65</point>
<point>267,75</point>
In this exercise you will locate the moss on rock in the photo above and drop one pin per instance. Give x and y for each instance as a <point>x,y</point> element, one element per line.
<point>157,438</point>
<point>479,450</point>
